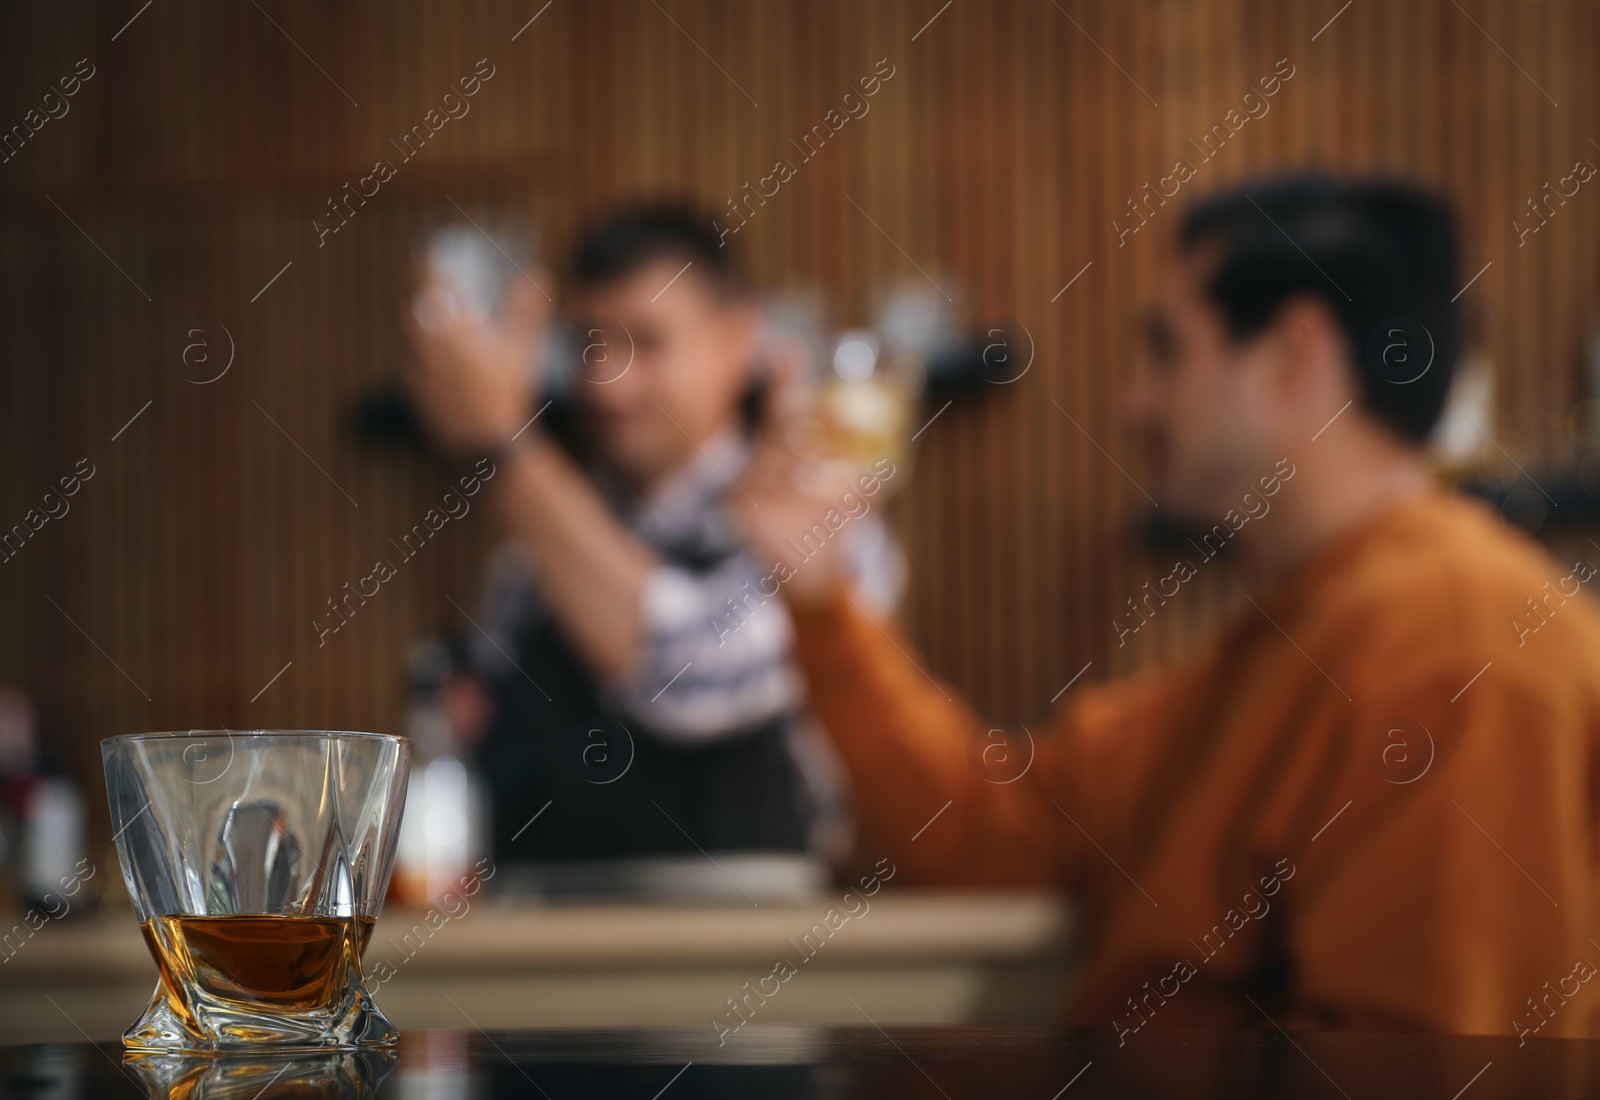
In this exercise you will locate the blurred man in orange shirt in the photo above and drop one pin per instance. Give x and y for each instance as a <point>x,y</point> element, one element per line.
<point>1370,801</point>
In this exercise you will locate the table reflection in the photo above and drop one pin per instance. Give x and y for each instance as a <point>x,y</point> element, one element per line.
<point>789,1063</point>
<point>343,1075</point>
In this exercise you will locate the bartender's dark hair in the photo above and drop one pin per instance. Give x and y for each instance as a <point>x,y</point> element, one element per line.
<point>644,233</point>
<point>1382,254</point>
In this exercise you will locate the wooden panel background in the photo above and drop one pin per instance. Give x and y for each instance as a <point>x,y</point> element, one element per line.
<point>191,166</point>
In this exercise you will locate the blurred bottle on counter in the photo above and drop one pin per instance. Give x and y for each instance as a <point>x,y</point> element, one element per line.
<point>444,830</point>
<point>43,816</point>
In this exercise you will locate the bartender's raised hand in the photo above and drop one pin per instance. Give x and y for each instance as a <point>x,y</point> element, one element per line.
<point>472,379</point>
<point>787,488</point>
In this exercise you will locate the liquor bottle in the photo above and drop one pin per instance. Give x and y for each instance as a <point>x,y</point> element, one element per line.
<point>444,829</point>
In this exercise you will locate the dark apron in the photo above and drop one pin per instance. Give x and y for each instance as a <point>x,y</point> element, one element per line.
<point>743,792</point>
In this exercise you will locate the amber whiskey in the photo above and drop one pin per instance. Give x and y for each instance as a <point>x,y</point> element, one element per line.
<point>276,964</point>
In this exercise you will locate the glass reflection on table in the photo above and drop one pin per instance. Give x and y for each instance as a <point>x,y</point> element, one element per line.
<point>334,1075</point>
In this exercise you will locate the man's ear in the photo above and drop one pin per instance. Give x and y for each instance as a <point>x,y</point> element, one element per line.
<point>741,323</point>
<point>1315,354</point>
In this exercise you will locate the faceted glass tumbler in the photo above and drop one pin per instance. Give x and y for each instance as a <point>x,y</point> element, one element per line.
<point>257,863</point>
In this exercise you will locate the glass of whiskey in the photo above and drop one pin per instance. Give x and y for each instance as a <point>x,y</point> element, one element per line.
<point>257,862</point>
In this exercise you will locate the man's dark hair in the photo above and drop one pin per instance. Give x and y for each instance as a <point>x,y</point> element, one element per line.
<point>637,236</point>
<point>1382,254</point>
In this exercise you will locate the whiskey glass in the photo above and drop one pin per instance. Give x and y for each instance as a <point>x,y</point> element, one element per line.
<point>257,862</point>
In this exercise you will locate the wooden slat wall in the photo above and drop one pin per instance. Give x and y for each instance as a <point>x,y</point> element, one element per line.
<point>996,158</point>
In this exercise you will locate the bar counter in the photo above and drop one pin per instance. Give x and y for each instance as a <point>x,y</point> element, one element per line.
<point>911,958</point>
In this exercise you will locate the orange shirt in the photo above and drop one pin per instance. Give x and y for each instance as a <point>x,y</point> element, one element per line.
<point>1370,803</point>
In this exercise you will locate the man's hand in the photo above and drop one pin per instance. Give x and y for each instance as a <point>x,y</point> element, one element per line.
<point>789,486</point>
<point>471,379</point>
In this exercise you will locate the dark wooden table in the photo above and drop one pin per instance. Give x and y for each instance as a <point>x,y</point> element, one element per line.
<point>784,1062</point>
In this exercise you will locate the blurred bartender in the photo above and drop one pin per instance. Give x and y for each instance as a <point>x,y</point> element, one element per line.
<point>645,701</point>
<point>1372,800</point>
